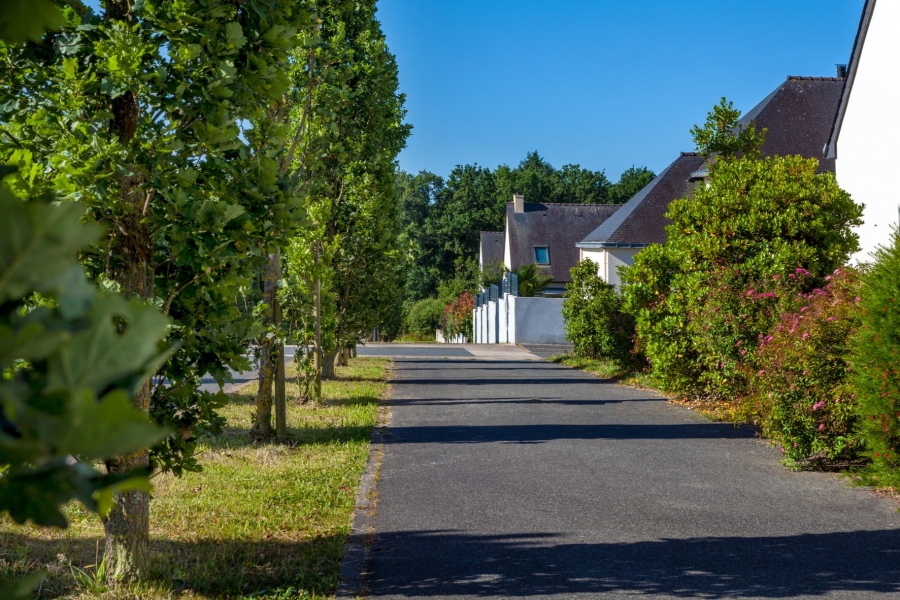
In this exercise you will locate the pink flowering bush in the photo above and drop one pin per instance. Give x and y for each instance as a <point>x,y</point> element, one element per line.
<point>800,393</point>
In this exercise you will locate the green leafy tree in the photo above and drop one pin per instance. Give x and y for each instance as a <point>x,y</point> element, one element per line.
<point>751,228</point>
<point>154,116</point>
<point>532,280</point>
<point>71,358</point>
<point>595,322</point>
<point>351,136</point>
<point>633,180</point>
<point>875,361</point>
<point>722,137</point>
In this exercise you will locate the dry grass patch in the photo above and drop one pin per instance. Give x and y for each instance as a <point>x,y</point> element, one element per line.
<point>260,520</point>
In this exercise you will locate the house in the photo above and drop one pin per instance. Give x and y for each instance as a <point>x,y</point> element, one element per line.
<point>491,247</point>
<point>798,115</point>
<point>545,234</point>
<point>865,130</point>
<point>640,222</point>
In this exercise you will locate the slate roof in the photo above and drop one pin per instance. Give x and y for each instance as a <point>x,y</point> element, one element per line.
<point>799,116</point>
<point>852,68</point>
<point>640,222</point>
<point>492,247</point>
<point>557,226</point>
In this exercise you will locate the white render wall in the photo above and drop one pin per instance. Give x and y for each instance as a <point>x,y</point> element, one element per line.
<point>515,320</point>
<point>609,261</point>
<point>867,146</point>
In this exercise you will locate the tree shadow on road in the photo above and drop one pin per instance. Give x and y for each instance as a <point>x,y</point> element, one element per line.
<point>535,434</point>
<point>447,564</point>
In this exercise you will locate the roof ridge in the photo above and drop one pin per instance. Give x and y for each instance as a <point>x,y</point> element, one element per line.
<point>805,78</point>
<point>491,232</point>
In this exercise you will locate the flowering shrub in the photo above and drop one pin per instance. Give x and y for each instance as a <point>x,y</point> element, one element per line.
<point>595,323</point>
<point>751,228</point>
<point>457,318</point>
<point>801,395</point>
<point>876,366</point>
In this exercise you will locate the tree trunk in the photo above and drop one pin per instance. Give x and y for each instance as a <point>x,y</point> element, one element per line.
<point>319,362</point>
<point>354,354</point>
<point>280,395</point>
<point>127,526</point>
<point>343,356</point>
<point>268,357</point>
<point>328,365</point>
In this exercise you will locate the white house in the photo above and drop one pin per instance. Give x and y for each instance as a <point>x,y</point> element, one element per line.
<point>864,138</point>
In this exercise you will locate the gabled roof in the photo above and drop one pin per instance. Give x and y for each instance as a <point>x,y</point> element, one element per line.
<point>557,226</point>
<point>641,221</point>
<point>491,248</point>
<point>852,68</point>
<point>799,116</point>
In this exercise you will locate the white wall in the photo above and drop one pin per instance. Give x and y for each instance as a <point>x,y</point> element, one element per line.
<point>867,148</point>
<point>609,260</point>
<point>536,321</point>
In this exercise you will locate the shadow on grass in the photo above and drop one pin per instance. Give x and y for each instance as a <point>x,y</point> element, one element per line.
<point>444,564</point>
<point>213,568</point>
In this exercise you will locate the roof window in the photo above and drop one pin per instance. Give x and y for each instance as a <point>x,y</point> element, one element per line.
<point>542,255</point>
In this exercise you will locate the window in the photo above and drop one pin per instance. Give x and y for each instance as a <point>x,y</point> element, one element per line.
<point>542,255</point>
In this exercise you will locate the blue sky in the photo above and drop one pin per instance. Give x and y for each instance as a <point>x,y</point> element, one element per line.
<point>600,83</point>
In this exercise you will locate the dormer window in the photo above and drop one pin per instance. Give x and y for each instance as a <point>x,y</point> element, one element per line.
<point>542,255</point>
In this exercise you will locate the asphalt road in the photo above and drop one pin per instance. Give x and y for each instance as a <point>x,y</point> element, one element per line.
<point>503,477</point>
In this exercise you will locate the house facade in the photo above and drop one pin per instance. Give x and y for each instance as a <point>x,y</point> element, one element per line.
<point>544,234</point>
<point>863,143</point>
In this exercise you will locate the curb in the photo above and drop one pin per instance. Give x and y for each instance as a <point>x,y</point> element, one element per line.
<point>362,534</point>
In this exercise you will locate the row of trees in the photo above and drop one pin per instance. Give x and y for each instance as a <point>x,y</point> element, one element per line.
<point>237,162</point>
<point>749,305</point>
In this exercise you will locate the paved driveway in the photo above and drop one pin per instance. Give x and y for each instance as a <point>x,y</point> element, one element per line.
<point>504,477</point>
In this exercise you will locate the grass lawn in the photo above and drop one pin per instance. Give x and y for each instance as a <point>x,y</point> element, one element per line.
<point>260,521</point>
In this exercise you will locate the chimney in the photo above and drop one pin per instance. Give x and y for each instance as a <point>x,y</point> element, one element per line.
<point>518,203</point>
<point>842,71</point>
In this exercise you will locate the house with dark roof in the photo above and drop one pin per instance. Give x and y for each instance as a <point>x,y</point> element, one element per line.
<point>798,117</point>
<point>863,141</point>
<point>545,234</point>
<point>490,250</point>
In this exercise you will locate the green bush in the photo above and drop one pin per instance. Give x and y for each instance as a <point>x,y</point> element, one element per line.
<point>532,280</point>
<point>876,366</point>
<point>753,226</point>
<point>595,323</point>
<point>424,317</point>
<point>801,395</point>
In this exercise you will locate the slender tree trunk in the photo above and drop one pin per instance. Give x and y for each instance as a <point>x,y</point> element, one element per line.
<point>319,362</point>
<point>354,354</point>
<point>268,357</point>
<point>280,400</point>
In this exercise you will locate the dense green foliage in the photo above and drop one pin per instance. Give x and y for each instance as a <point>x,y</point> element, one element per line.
<point>755,224</point>
<point>157,120</point>
<point>349,136</point>
<point>424,317</point>
<point>532,280</point>
<point>70,357</point>
<point>800,394</point>
<point>595,322</point>
<point>876,365</point>
<point>443,219</point>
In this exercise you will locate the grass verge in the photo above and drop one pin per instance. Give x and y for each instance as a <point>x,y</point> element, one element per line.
<point>607,370</point>
<point>260,521</point>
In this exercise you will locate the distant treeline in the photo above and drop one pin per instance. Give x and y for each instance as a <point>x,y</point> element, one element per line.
<point>442,218</point>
